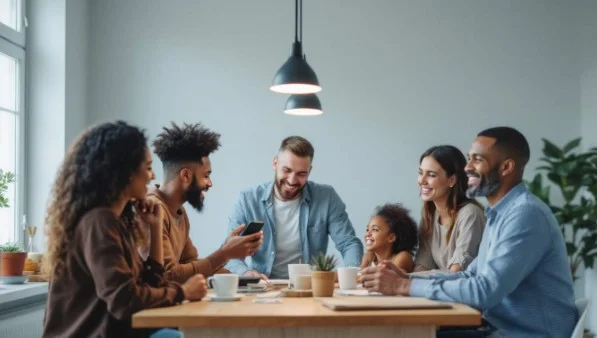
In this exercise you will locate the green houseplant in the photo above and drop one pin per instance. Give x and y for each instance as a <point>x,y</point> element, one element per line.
<point>12,257</point>
<point>6,178</point>
<point>323,278</point>
<point>574,174</point>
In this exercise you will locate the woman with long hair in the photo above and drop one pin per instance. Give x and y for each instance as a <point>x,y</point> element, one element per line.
<point>451,223</point>
<point>391,236</point>
<point>97,278</point>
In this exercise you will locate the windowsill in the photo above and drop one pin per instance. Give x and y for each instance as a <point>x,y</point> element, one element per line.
<point>15,296</point>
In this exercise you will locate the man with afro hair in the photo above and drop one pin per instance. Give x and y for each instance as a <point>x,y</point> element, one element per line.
<point>184,152</point>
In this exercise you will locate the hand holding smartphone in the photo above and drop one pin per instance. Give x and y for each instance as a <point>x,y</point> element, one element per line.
<point>243,242</point>
<point>253,228</point>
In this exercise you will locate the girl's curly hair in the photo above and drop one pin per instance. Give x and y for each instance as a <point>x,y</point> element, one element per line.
<point>96,170</point>
<point>401,225</point>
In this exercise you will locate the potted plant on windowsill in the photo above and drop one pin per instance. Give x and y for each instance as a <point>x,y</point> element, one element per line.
<point>13,260</point>
<point>323,278</point>
<point>12,257</point>
<point>574,174</point>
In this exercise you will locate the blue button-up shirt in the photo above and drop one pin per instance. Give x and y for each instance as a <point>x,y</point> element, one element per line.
<point>521,278</point>
<point>322,213</point>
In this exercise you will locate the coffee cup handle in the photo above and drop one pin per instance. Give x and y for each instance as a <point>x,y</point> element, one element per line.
<point>209,282</point>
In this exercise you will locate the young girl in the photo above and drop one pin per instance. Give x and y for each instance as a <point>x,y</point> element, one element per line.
<point>391,236</point>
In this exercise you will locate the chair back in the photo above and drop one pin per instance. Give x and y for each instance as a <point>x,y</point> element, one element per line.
<point>582,305</point>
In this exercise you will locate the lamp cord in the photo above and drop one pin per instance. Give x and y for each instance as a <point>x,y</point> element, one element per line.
<point>296,20</point>
<point>301,10</point>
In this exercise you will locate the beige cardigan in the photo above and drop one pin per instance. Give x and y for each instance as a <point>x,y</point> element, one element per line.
<point>435,253</point>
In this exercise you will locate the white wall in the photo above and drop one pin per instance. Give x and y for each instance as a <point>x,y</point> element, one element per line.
<point>76,53</point>
<point>57,94</point>
<point>588,38</point>
<point>46,91</point>
<point>397,77</point>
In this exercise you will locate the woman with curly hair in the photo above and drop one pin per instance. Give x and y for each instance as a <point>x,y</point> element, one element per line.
<point>97,278</point>
<point>391,236</point>
<point>451,223</point>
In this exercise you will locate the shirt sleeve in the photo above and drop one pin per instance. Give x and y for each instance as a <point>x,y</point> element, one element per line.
<point>188,264</point>
<point>524,233</point>
<point>237,266</point>
<point>423,259</point>
<point>342,232</point>
<point>470,223</point>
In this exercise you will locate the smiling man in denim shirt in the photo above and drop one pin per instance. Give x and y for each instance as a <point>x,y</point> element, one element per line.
<point>298,216</point>
<point>521,279</point>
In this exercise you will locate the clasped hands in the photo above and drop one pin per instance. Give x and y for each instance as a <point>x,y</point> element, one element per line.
<point>386,279</point>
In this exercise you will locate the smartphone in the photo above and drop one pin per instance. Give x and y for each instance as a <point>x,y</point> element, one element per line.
<point>252,228</point>
<point>244,281</point>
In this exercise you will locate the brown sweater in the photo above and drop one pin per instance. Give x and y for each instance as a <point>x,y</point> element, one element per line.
<point>180,255</point>
<point>104,282</point>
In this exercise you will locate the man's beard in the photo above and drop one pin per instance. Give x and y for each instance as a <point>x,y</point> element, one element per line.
<point>193,195</point>
<point>488,185</point>
<point>287,196</point>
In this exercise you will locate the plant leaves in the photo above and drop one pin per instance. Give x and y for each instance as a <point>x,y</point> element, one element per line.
<point>551,150</point>
<point>571,145</point>
<point>573,172</point>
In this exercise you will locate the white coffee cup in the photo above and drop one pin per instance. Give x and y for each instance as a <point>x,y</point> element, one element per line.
<point>225,284</point>
<point>302,282</point>
<point>295,270</point>
<point>347,278</point>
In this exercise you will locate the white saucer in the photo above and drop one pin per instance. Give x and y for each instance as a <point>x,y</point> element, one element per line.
<point>13,279</point>
<point>234,298</point>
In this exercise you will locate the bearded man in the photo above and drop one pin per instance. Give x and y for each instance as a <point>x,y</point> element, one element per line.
<point>298,217</point>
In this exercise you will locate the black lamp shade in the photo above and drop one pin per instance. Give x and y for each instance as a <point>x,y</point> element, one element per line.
<point>304,105</point>
<point>296,76</point>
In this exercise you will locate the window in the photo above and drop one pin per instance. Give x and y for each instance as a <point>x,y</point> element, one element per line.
<point>12,115</point>
<point>11,21</point>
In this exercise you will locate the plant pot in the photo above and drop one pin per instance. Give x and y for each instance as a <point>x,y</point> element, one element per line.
<point>12,263</point>
<point>323,283</point>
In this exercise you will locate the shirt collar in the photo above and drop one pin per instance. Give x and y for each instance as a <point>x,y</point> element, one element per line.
<point>503,204</point>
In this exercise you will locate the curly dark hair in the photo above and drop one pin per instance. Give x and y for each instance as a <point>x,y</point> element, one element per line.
<point>189,143</point>
<point>96,170</point>
<point>401,225</point>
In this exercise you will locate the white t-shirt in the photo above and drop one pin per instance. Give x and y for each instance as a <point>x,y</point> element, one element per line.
<point>288,237</point>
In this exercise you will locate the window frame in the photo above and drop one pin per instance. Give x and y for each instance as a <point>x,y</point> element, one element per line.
<point>12,44</point>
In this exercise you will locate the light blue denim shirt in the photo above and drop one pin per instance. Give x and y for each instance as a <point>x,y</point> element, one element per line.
<point>521,278</point>
<point>322,213</point>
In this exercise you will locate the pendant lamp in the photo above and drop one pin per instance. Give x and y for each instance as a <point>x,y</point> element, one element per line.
<point>303,105</point>
<point>296,76</point>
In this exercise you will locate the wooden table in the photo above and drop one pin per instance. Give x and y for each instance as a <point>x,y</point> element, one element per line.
<point>300,317</point>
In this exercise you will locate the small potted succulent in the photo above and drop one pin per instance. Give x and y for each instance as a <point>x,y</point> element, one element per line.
<point>323,278</point>
<point>13,260</point>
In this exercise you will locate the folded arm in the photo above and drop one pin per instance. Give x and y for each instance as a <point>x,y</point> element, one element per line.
<point>115,282</point>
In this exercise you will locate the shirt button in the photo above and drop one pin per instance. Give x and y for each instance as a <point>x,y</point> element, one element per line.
<point>272,253</point>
